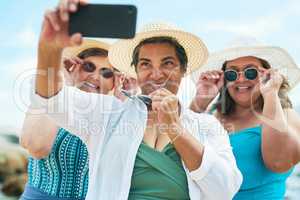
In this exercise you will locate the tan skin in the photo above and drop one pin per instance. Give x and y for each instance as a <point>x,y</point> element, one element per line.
<point>54,38</point>
<point>39,132</point>
<point>280,135</point>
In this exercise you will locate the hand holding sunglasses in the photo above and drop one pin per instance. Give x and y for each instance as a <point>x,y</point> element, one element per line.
<point>72,66</point>
<point>271,80</point>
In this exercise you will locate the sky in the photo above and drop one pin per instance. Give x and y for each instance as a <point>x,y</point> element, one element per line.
<point>217,23</point>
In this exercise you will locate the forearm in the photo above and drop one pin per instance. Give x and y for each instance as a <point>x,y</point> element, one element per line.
<point>216,174</point>
<point>219,177</point>
<point>279,143</point>
<point>38,134</point>
<point>190,150</point>
<point>200,106</point>
<point>48,79</point>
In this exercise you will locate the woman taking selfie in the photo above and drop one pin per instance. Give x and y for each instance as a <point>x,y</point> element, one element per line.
<point>58,166</point>
<point>143,148</point>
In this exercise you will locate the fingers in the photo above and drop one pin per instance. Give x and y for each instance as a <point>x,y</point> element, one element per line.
<point>63,10</point>
<point>53,19</point>
<point>211,75</point>
<point>164,100</point>
<point>71,64</point>
<point>83,2</point>
<point>76,39</point>
<point>66,7</point>
<point>220,83</point>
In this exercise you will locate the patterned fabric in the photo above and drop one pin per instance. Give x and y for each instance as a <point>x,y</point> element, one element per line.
<point>64,173</point>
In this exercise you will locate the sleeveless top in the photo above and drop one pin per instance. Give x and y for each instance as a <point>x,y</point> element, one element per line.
<point>62,174</point>
<point>259,183</point>
<point>158,175</point>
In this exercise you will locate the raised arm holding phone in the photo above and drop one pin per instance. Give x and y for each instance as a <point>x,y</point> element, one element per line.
<point>160,153</point>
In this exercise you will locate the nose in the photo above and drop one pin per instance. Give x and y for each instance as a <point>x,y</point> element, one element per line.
<point>95,75</point>
<point>241,77</point>
<point>156,74</point>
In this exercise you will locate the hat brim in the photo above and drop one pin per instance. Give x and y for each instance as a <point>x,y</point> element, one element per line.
<point>86,44</point>
<point>277,57</point>
<point>120,54</point>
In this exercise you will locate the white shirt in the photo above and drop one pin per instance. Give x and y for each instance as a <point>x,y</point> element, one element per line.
<point>113,131</point>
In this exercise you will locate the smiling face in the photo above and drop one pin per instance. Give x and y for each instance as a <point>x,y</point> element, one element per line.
<point>242,89</point>
<point>93,81</point>
<point>158,67</point>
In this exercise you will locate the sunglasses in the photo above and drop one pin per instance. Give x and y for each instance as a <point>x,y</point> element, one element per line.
<point>104,72</point>
<point>144,98</point>
<point>249,73</point>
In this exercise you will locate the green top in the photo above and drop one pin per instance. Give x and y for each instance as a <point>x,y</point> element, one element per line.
<point>158,175</point>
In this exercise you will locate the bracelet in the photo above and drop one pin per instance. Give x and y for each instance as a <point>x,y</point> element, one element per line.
<point>175,138</point>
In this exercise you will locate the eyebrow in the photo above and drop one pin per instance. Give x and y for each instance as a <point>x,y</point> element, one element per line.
<point>164,59</point>
<point>167,58</point>
<point>244,66</point>
<point>145,59</point>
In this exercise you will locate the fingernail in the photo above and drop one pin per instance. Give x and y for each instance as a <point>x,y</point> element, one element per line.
<point>65,17</point>
<point>72,7</point>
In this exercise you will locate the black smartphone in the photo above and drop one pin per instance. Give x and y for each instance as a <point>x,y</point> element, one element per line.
<point>104,21</point>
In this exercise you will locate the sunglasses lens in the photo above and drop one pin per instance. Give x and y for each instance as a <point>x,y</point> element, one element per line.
<point>147,100</point>
<point>88,67</point>
<point>251,74</point>
<point>106,72</point>
<point>230,75</point>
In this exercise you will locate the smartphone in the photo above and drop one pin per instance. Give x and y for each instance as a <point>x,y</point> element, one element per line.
<point>104,21</point>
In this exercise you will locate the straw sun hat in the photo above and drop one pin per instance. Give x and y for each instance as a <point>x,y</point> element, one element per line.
<point>86,44</point>
<point>120,54</point>
<point>277,57</point>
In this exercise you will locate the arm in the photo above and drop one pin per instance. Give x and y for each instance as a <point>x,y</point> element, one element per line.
<point>78,112</point>
<point>38,134</point>
<point>218,176</point>
<point>280,139</point>
<point>208,87</point>
<point>280,128</point>
<point>206,154</point>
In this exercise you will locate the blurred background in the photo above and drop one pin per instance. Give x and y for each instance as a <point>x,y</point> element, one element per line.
<point>273,22</point>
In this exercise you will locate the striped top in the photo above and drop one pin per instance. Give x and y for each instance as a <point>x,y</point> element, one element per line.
<point>64,172</point>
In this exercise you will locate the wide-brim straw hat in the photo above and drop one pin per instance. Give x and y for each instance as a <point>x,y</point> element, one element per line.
<point>120,54</point>
<point>277,57</point>
<point>86,44</point>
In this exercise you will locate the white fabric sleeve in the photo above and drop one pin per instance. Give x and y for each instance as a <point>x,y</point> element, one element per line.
<point>81,113</point>
<point>218,176</point>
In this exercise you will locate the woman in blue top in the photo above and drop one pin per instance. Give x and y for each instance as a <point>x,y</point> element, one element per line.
<point>58,166</point>
<point>254,107</point>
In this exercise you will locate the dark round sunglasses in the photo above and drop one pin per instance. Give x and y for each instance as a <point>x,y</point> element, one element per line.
<point>105,72</point>
<point>232,75</point>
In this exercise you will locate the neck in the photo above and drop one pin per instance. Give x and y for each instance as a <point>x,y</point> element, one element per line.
<point>243,111</point>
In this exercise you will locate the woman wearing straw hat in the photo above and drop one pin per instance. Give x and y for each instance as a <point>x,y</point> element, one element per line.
<point>253,82</point>
<point>58,166</point>
<point>141,149</point>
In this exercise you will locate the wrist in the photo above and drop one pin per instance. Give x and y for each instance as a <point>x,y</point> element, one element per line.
<point>49,56</point>
<point>270,94</point>
<point>199,106</point>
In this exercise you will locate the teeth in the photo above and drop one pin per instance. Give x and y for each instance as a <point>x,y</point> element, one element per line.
<point>90,85</point>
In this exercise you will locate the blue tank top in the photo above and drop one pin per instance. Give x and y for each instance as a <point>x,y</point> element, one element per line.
<point>62,174</point>
<point>259,183</point>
